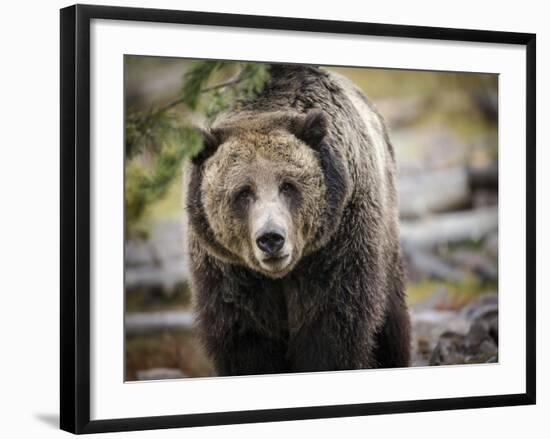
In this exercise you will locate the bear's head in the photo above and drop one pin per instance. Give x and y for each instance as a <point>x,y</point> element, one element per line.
<point>270,189</point>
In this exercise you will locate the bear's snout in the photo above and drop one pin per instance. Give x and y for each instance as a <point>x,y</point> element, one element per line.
<point>272,247</point>
<point>271,242</point>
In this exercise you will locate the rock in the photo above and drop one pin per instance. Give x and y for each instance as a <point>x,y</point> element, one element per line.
<point>427,327</point>
<point>478,345</point>
<point>480,306</point>
<point>484,328</point>
<point>442,336</point>
<point>448,350</point>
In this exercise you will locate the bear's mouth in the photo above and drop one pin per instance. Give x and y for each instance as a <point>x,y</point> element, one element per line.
<point>275,259</point>
<point>274,265</point>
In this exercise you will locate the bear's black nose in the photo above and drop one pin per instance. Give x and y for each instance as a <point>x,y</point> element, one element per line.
<point>270,242</point>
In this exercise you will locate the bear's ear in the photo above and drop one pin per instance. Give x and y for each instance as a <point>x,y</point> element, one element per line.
<point>210,142</point>
<point>312,128</point>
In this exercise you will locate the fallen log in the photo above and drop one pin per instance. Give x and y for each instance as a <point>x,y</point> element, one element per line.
<point>432,192</point>
<point>421,263</point>
<point>444,190</point>
<point>168,276</point>
<point>470,225</point>
<point>138,323</point>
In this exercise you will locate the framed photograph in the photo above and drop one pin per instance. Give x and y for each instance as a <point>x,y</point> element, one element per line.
<point>273,218</point>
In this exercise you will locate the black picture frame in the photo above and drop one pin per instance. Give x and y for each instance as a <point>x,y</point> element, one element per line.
<point>76,210</point>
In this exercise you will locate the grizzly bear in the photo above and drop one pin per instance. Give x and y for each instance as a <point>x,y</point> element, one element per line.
<point>291,230</point>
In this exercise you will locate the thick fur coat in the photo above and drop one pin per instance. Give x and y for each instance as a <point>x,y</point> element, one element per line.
<point>337,302</point>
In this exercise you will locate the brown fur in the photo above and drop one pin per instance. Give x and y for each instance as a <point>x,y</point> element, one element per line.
<point>339,303</point>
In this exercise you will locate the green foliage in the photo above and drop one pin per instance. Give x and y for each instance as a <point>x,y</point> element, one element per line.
<point>248,83</point>
<point>144,186</point>
<point>196,78</point>
<point>146,130</point>
<point>460,292</point>
<point>157,140</point>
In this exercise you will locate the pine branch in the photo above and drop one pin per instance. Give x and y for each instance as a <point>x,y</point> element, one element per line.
<point>164,136</point>
<point>221,85</point>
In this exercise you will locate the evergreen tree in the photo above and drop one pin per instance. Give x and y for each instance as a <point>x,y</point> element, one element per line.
<point>159,139</point>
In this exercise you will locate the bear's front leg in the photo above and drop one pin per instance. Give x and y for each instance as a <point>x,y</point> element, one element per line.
<point>241,321</point>
<point>331,340</point>
<point>246,353</point>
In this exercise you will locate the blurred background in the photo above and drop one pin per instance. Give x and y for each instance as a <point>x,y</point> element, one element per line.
<point>444,128</point>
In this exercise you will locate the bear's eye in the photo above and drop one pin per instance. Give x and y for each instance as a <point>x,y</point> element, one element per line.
<point>287,188</point>
<point>243,195</point>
